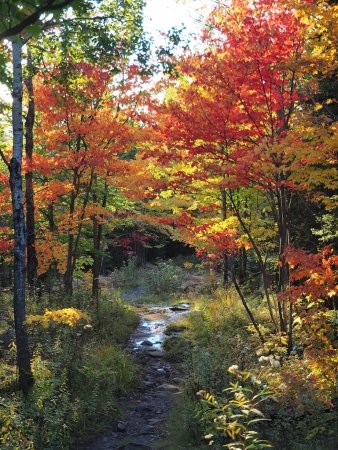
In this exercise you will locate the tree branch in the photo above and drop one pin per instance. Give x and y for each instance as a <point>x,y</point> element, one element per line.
<point>30,20</point>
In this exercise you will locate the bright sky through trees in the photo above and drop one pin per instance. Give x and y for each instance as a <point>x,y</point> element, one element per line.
<point>161,15</point>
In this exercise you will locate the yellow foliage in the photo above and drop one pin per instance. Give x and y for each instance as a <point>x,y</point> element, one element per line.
<point>66,316</point>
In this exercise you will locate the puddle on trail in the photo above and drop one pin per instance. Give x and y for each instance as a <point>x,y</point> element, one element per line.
<point>154,320</point>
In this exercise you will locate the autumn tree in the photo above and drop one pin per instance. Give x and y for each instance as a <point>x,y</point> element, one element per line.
<point>18,17</point>
<point>85,125</point>
<point>231,123</point>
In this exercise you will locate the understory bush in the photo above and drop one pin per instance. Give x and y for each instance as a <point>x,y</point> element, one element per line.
<point>217,335</point>
<point>80,370</point>
<point>106,373</point>
<point>159,281</point>
<point>231,418</point>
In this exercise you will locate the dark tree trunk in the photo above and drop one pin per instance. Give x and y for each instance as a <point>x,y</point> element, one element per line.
<point>68,276</point>
<point>284,241</point>
<point>242,265</point>
<point>96,260</point>
<point>260,261</point>
<point>98,228</point>
<point>225,264</point>
<point>32,261</point>
<point>23,355</point>
<point>247,309</point>
<point>74,240</point>
<point>50,217</point>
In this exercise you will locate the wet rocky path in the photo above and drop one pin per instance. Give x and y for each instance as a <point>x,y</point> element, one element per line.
<point>145,413</point>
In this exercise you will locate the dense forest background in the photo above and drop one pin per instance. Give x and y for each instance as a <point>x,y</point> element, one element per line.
<point>200,173</point>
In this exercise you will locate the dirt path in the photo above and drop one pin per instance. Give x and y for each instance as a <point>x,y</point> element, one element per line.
<point>145,413</point>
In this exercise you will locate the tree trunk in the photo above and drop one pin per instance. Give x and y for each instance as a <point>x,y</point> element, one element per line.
<point>247,309</point>
<point>23,355</point>
<point>98,228</point>
<point>242,265</point>
<point>260,262</point>
<point>68,276</point>
<point>50,217</point>
<point>225,267</point>
<point>32,261</point>
<point>284,241</point>
<point>74,240</point>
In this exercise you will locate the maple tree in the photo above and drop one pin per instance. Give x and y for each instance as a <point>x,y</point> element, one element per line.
<point>231,125</point>
<point>85,126</point>
<point>313,293</point>
<point>25,21</point>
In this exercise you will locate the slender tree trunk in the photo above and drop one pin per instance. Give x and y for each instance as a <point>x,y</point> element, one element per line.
<point>225,267</point>
<point>32,261</point>
<point>242,265</point>
<point>68,276</point>
<point>284,241</point>
<point>74,240</point>
<point>80,225</point>
<point>260,262</point>
<point>23,355</point>
<point>50,217</point>
<point>247,309</point>
<point>290,332</point>
<point>98,228</point>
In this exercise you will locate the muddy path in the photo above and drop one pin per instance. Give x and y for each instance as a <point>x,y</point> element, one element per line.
<point>144,414</point>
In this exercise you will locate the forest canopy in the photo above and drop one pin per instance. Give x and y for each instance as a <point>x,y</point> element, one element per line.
<point>220,150</point>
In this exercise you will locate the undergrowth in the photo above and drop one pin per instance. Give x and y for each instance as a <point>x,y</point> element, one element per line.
<point>216,335</point>
<point>80,372</point>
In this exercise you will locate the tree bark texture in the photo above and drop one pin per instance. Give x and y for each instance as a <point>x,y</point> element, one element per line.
<point>225,257</point>
<point>32,261</point>
<point>284,241</point>
<point>23,354</point>
<point>97,236</point>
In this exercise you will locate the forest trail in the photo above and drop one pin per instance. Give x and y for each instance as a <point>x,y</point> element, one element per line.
<point>144,414</point>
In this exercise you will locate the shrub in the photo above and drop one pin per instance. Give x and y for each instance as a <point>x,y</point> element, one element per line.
<point>106,373</point>
<point>166,277</point>
<point>231,419</point>
<point>115,320</point>
<point>15,429</point>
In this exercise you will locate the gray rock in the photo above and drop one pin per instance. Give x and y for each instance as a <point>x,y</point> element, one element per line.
<point>155,354</point>
<point>169,387</point>
<point>180,307</point>
<point>138,442</point>
<point>122,426</point>
<point>155,421</point>
<point>148,429</point>
<point>7,338</point>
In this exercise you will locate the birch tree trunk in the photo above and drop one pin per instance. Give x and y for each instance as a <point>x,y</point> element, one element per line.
<point>32,261</point>
<point>23,355</point>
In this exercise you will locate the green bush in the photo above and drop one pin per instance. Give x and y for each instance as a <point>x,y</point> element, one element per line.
<point>50,405</point>
<point>115,320</point>
<point>230,420</point>
<point>106,373</point>
<point>177,348</point>
<point>43,419</point>
<point>79,374</point>
<point>165,278</point>
<point>184,431</point>
<point>16,430</point>
<point>130,274</point>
